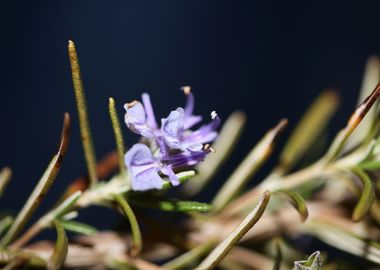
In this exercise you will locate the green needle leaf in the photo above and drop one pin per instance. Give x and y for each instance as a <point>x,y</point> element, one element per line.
<point>60,250</point>
<point>85,131</point>
<point>250,165</point>
<point>314,262</point>
<point>297,201</point>
<point>171,205</point>
<point>5,223</point>
<point>214,258</point>
<point>366,198</point>
<point>353,122</point>
<point>136,234</point>
<point>65,207</point>
<point>5,177</point>
<point>78,227</point>
<point>42,187</point>
<point>118,135</point>
<point>370,78</point>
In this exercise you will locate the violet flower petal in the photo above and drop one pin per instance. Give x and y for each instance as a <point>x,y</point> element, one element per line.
<point>150,117</point>
<point>136,120</point>
<point>189,119</point>
<point>143,168</point>
<point>168,171</point>
<point>172,128</point>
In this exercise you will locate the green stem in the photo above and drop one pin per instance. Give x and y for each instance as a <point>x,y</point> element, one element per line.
<point>136,234</point>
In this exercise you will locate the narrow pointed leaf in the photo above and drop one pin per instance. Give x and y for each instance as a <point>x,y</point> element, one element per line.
<point>60,250</point>
<point>171,205</point>
<point>250,165</point>
<point>366,198</point>
<point>78,227</point>
<point>307,131</point>
<point>297,201</point>
<point>370,165</point>
<point>41,188</point>
<point>66,206</point>
<point>136,234</point>
<point>370,78</point>
<point>224,144</point>
<point>118,135</point>
<point>5,223</point>
<point>214,258</point>
<point>5,177</point>
<point>314,262</point>
<point>353,122</point>
<point>84,124</point>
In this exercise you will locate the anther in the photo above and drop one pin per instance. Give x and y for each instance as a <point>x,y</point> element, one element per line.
<point>186,89</point>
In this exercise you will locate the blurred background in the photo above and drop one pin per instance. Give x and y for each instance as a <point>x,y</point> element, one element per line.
<point>267,58</point>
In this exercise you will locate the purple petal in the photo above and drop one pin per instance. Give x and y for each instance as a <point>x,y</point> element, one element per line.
<point>143,168</point>
<point>185,159</point>
<point>151,119</point>
<point>206,133</point>
<point>135,119</point>
<point>146,180</point>
<point>172,128</point>
<point>167,170</point>
<point>189,119</point>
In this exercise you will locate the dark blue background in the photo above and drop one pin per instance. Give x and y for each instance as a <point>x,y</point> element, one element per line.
<point>267,58</point>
